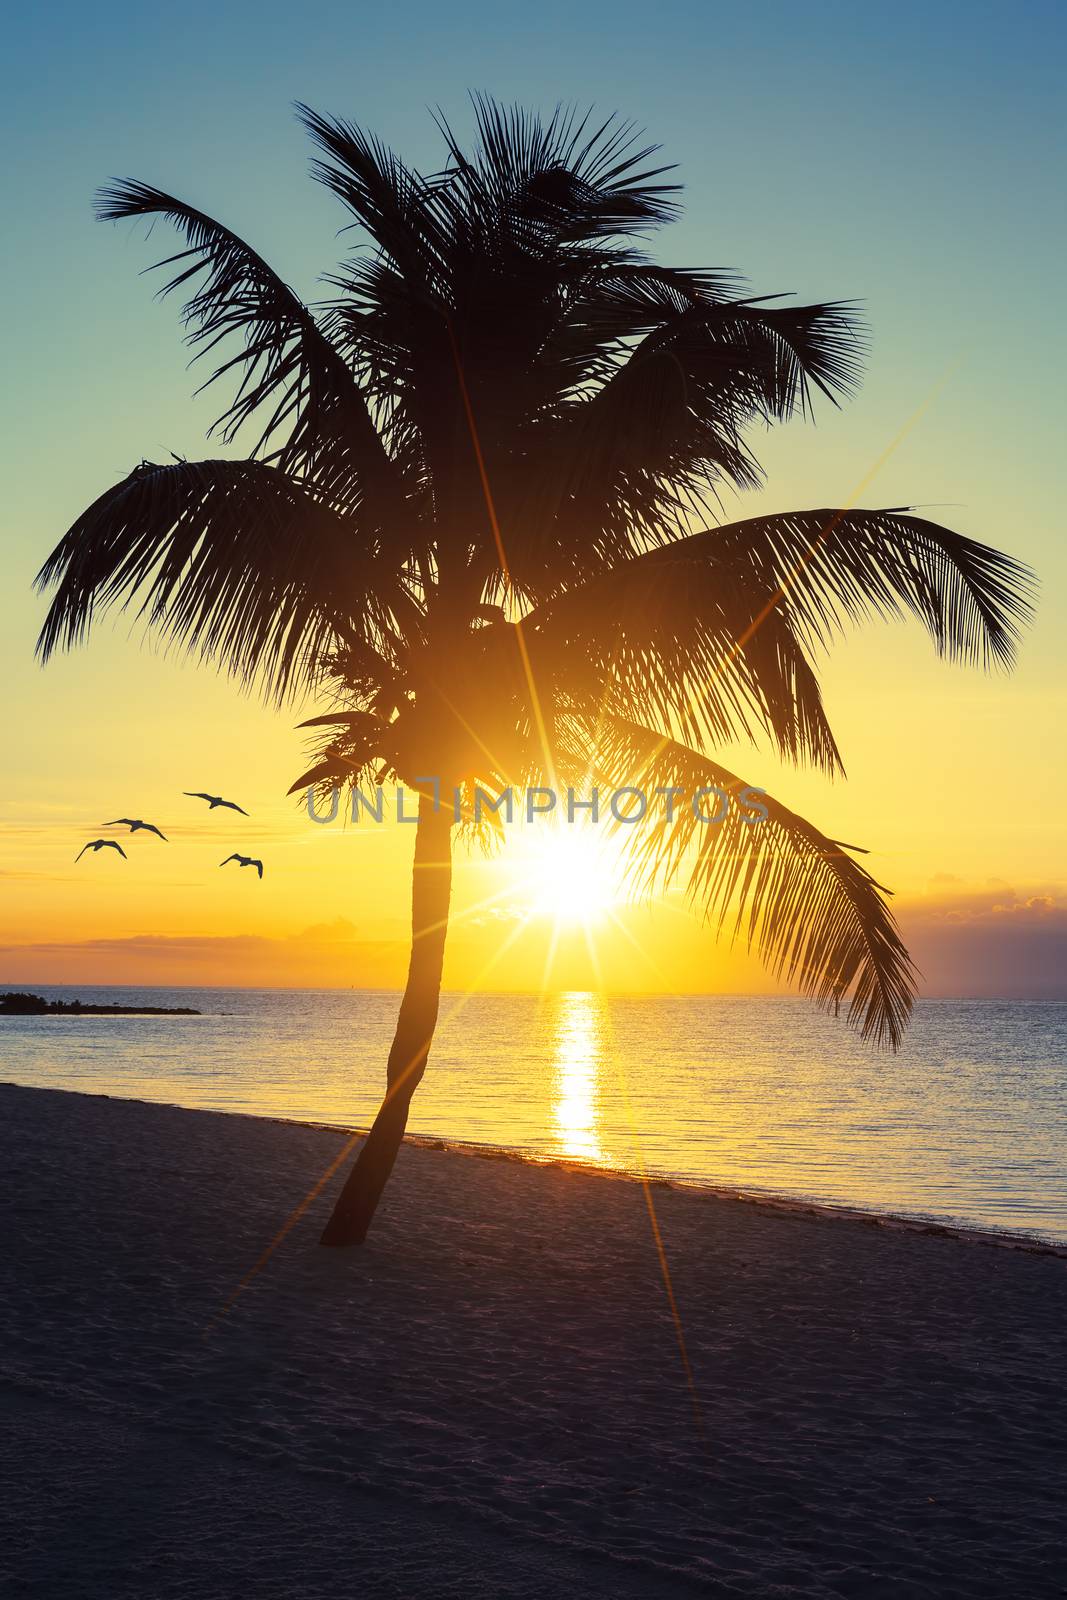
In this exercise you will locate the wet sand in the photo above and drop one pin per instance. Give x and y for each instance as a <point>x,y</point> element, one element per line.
<point>490,1399</point>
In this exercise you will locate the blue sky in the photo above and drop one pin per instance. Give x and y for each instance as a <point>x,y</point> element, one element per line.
<point>910,155</point>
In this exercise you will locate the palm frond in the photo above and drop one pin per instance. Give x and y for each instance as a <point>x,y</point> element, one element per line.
<point>576,177</point>
<point>393,203</point>
<point>350,749</point>
<point>687,645</point>
<point>637,453</point>
<point>290,375</point>
<point>813,914</point>
<point>732,361</point>
<point>832,566</point>
<point>475,268</point>
<point>609,301</point>
<point>232,558</point>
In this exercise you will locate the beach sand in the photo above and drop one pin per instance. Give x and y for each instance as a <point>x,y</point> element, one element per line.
<point>489,1399</point>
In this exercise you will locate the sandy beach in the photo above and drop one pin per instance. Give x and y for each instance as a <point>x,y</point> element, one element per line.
<point>490,1398</point>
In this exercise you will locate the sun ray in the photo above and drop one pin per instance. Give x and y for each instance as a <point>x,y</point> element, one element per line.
<point>634,942</point>
<point>490,506</point>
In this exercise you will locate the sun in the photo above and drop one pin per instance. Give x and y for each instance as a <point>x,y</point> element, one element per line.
<point>572,878</point>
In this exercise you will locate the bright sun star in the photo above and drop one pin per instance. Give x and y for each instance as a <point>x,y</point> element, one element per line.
<point>572,879</point>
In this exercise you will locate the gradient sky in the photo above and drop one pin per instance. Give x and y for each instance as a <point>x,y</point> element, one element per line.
<point>908,156</point>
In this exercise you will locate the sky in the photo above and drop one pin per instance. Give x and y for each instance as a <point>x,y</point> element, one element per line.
<point>907,156</point>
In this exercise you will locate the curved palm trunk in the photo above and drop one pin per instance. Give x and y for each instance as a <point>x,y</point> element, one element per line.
<point>431,889</point>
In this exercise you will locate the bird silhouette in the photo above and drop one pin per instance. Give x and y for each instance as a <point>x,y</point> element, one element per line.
<point>213,800</point>
<point>246,861</point>
<point>135,825</point>
<point>101,844</point>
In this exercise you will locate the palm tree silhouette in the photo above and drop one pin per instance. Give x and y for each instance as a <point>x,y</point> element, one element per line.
<point>482,511</point>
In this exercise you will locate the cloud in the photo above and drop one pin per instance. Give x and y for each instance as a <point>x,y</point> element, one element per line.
<point>330,955</point>
<point>999,941</point>
<point>998,903</point>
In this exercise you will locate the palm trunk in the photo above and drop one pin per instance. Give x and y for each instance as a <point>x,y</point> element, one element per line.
<point>431,889</point>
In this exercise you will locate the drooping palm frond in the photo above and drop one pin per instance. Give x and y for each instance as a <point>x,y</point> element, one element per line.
<point>733,361</point>
<point>613,300</point>
<point>812,913</point>
<point>831,566</point>
<point>765,359</point>
<point>687,645</point>
<point>232,558</point>
<point>477,726</point>
<point>290,377</point>
<point>345,755</point>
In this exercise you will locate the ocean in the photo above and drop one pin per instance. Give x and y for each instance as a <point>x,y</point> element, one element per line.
<point>966,1125</point>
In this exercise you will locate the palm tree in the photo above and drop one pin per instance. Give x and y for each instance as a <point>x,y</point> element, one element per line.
<point>482,511</point>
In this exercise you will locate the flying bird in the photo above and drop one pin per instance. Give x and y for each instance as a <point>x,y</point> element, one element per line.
<point>246,861</point>
<point>213,800</point>
<point>135,825</point>
<point>101,844</point>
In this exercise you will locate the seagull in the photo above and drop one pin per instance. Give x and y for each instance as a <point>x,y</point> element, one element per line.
<point>246,861</point>
<point>213,800</point>
<point>101,844</point>
<point>134,824</point>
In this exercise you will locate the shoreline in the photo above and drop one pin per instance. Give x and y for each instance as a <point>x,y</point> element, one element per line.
<point>787,1205</point>
<point>522,1378</point>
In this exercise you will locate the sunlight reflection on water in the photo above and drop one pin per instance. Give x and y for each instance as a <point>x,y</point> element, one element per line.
<point>968,1123</point>
<point>579,1058</point>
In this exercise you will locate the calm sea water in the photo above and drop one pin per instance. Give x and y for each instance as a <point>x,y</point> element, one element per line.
<point>968,1124</point>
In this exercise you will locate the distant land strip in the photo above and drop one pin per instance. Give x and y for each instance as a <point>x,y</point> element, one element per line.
<point>34,1005</point>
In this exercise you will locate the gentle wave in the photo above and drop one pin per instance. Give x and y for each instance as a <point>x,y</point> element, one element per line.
<point>966,1125</point>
